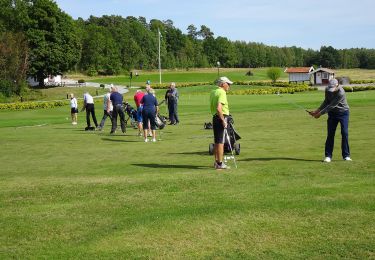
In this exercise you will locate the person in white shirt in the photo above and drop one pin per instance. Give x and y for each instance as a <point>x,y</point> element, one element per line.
<point>73,108</point>
<point>108,108</point>
<point>88,104</point>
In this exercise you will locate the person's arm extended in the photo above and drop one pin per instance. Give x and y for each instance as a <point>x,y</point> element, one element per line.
<point>317,112</point>
<point>334,102</point>
<point>219,111</point>
<point>108,105</point>
<point>84,105</point>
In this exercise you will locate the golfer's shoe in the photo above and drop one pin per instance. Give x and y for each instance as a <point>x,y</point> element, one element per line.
<point>221,166</point>
<point>327,160</point>
<point>348,159</point>
<point>154,140</point>
<point>146,140</point>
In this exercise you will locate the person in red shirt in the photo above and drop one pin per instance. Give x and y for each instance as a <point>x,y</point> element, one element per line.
<point>137,99</point>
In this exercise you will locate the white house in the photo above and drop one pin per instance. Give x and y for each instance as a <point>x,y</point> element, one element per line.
<point>299,74</point>
<point>51,80</point>
<point>322,76</point>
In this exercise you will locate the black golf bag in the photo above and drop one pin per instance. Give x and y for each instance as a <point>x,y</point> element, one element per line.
<point>233,138</point>
<point>132,114</point>
<point>160,121</point>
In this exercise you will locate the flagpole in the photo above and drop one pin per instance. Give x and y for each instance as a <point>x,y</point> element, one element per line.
<point>159,58</point>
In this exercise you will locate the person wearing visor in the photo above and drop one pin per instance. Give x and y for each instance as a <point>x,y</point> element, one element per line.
<point>220,111</point>
<point>336,105</point>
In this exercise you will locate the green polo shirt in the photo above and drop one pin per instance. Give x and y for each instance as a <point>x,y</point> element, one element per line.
<point>219,96</point>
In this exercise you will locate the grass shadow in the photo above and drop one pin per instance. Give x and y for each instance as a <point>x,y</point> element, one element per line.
<point>171,166</point>
<point>277,159</point>
<point>193,153</point>
<point>120,141</point>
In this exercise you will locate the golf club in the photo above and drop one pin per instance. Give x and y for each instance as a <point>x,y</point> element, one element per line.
<point>230,147</point>
<point>293,103</point>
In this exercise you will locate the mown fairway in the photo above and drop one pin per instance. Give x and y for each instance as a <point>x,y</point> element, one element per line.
<point>67,193</point>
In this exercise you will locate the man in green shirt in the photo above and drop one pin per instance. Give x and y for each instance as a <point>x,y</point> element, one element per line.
<point>220,110</point>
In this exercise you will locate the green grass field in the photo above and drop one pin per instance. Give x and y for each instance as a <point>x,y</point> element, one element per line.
<point>193,75</point>
<point>66,193</point>
<point>210,75</point>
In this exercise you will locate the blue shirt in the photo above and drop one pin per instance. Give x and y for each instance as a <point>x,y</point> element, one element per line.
<point>149,103</point>
<point>116,98</point>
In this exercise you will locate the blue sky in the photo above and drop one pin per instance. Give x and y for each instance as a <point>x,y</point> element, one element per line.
<point>307,24</point>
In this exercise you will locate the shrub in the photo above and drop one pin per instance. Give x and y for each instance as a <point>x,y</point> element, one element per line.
<point>249,73</point>
<point>358,88</point>
<point>367,81</point>
<point>31,105</point>
<point>91,72</point>
<point>273,90</point>
<point>274,73</point>
<point>81,81</point>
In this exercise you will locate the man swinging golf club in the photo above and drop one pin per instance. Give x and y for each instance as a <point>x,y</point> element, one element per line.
<point>337,107</point>
<point>220,110</point>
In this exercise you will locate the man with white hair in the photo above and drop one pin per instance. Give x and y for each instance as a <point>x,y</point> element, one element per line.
<point>336,105</point>
<point>88,105</point>
<point>172,100</point>
<point>220,111</point>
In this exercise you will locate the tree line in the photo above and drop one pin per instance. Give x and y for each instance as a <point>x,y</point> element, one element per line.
<point>38,39</point>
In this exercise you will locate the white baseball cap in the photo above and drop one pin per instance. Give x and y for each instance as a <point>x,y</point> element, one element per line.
<point>224,80</point>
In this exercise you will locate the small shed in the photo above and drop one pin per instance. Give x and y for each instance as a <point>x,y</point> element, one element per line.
<point>299,74</point>
<point>322,76</point>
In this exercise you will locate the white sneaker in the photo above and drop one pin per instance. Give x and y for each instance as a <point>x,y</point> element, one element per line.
<point>146,140</point>
<point>154,140</point>
<point>223,166</point>
<point>348,159</point>
<point>327,160</point>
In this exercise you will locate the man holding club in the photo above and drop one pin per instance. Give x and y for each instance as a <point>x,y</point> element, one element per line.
<point>220,111</point>
<point>336,105</point>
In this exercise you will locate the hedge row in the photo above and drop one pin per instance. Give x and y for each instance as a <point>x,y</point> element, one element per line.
<point>31,105</point>
<point>273,90</point>
<point>358,88</point>
<point>367,81</point>
<point>181,85</point>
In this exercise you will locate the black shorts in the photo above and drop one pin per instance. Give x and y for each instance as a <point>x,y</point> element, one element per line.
<point>218,128</point>
<point>73,110</point>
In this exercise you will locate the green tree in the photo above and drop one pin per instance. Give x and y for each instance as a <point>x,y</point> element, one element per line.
<point>13,63</point>
<point>53,42</point>
<point>274,73</point>
<point>329,57</point>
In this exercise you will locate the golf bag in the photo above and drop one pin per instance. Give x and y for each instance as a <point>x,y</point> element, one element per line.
<point>160,121</point>
<point>233,138</point>
<point>208,125</point>
<point>132,114</point>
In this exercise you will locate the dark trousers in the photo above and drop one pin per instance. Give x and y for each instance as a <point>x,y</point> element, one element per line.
<point>90,109</point>
<point>332,122</point>
<point>148,115</point>
<point>173,115</point>
<point>105,115</point>
<point>118,110</point>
